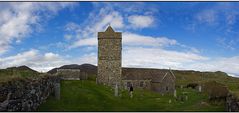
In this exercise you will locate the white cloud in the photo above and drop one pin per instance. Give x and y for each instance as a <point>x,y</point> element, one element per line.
<point>158,58</point>
<point>43,62</point>
<point>97,21</point>
<point>233,75</point>
<point>207,16</point>
<point>90,58</point>
<point>20,58</point>
<point>101,17</point>
<point>72,26</point>
<point>161,58</point>
<point>32,58</point>
<point>218,14</point>
<point>227,43</point>
<point>18,20</point>
<point>131,39</point>
<point>140,21</point>
<point>85,42</point>
<point>114,18</point>
<point>68,37</point>
<point>50,56</point>
<point>226,64</point>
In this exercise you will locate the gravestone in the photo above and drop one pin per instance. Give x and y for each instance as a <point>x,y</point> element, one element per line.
<point>175,93</point>
<point>181,86</point>
<point>116,90</point>
<point>200,88</point>
<point>57,90</point>
<point>186,98</point>
<point>170,101</point>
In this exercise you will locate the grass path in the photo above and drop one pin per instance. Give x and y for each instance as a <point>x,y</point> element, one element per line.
<point>88,96</point>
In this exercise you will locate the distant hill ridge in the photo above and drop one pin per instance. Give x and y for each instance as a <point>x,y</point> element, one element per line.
<point>88,68</point>
<point>22,68</point>
<point>93,69</point>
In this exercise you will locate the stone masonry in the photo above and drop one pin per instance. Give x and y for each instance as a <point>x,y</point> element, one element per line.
<point>109,57</point>
<point>27,94</point>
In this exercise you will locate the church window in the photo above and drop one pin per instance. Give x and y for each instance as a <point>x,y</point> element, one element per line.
<point>166,88</point>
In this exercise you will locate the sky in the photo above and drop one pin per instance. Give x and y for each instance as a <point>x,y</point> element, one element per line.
<point>202,36</point>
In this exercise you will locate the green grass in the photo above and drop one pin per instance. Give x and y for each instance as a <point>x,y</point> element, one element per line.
<point>88,96</point>
<point>8,74</point>
<point>185,77</point>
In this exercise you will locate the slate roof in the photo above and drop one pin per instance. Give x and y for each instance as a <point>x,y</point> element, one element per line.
<point>156,75</point>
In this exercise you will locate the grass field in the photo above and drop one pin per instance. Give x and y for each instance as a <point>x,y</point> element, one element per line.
<point>8,74</point>
<point>186,77</point>
<point>88,96</point>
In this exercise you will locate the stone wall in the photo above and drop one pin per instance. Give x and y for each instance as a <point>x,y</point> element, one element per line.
<point>232,103</point>
<point>167,85</point>
<point>144,84</point>
<point>72,74</point>
<point>27,94</point>
<point>215,90</point>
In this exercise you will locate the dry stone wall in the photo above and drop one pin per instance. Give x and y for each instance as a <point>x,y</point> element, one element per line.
<point>72,74</point>
<point>232,103</point>
<point>27,94</point>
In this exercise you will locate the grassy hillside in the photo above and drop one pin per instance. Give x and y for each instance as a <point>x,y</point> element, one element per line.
<point>88,96</point>
<point>185,77</point>
<point>17,72</point>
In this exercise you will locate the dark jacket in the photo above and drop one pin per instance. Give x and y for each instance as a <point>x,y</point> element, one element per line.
<point>131,88</point>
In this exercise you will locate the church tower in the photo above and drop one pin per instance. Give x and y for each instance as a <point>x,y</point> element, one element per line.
<point>109,57</point>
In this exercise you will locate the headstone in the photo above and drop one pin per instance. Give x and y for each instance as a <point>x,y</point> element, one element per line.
<point>57,90</point>
<point>169,101</point>
<point>200,88</point>
<point>116,90</point>
<point>175,93</point>
<point>186,98</point>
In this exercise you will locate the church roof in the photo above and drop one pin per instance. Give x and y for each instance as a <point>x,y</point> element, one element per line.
<point>156,75</point>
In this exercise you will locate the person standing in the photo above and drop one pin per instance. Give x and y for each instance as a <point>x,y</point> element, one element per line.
<point>131,89</point>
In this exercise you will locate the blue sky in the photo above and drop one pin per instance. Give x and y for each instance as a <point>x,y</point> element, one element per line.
<point>200,36</point>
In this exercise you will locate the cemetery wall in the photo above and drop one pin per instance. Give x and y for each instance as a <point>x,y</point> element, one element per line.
<point>28,94</point>
<point>232,103</point>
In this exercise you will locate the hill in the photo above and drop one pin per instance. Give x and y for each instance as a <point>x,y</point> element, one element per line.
<point>186,77</point>
<point>17,72</point>
<point>22,68</point>
<point>88,68</point>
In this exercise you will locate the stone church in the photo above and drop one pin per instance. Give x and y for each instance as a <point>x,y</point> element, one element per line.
<point>111,73</point>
